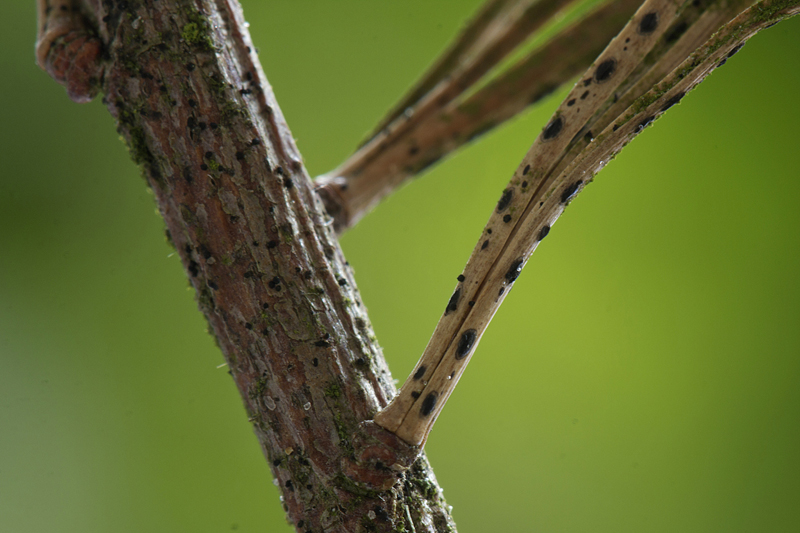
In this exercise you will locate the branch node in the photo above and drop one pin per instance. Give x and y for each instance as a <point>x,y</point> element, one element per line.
<point>328,190</point>
<point>69,50</point>
<point>380,457</point>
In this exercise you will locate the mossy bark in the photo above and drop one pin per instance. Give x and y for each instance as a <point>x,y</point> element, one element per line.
<point>183,81</point>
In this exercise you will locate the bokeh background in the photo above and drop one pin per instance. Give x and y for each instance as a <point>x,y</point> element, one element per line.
<point>643,376</point>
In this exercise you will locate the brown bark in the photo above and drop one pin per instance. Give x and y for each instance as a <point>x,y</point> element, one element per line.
<point>183,81</point>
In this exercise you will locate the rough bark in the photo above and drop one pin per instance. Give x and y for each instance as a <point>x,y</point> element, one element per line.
<point>183,81</point>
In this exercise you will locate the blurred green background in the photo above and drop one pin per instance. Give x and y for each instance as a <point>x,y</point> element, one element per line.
<point>643,376</point>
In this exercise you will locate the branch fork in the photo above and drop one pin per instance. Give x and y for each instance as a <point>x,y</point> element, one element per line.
<point>266,266</point>
<point>666,49</point>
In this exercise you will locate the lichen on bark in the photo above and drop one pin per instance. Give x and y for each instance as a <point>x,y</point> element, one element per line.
<point>184,83</point>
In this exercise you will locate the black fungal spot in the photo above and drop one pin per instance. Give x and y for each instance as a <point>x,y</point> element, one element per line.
<point>472,303</point>
<point>420,372</point>
<point>265,332</point>
<point>524,184</point>
<point>505,199</point>
<point>414,394</point>
<point>514,270</point>
<point>485,244</point>
<point>213,285</point>
<point>452,305</point>
<point>322,344</point>
<point>588,137</point>
<point>428,404</point>
<point>194,269</point>
<point>649,23</point>
<point>461,277</point>
<point>605,70</point>
<point>644,123</point>
<point>734,50</point>
<point>501,291</point>
<point>342,282</point>
<point>571,103</point>
<point>675,33</point>
<point>527,169</point>
<point>507,219</point>
<point>465,343</point>
<point>315,362</point>
<point>584,95</point>
<point>672,101</point>
<point>248,325</point>
<point>272,244</point>
<point>239,156</point>
<point>570,191</point>
<point>288,183</point>
<point>543,232</point>
<point>255,142</point>
<point>587,82</point>
<point>553,129</point>
<point>203,167</point>
<point>381,513</point>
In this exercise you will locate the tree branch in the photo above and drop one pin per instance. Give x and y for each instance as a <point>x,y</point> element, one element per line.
<point>497,29</point>
<point>192,101</point>
<point>564,158</point>
<point>445,118</point>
